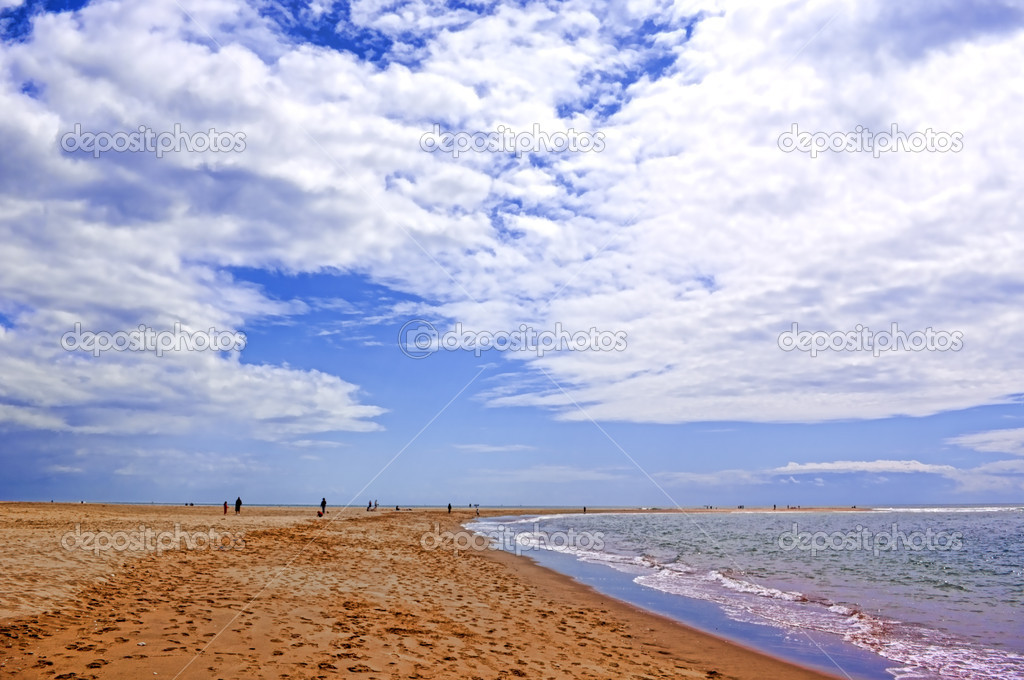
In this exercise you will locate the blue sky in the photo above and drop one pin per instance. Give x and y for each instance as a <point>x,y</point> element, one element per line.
<point>327,232</point>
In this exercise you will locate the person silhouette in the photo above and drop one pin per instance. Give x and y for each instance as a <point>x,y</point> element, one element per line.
<point>449,508</point>
<point>238,505</point>
<point>323,505</point>
<point>225,507</point>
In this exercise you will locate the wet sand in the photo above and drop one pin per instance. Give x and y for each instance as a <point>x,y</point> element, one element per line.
<point>286,595</point>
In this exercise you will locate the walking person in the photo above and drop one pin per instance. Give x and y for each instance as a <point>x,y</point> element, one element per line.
<point>238,505</point>
<point>225,507</point>
<point>323,505</point>
<point>449,508</point>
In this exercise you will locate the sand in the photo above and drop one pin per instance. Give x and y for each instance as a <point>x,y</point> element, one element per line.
<point>288,596</point>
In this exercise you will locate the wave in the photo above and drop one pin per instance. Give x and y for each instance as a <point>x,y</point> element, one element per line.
<point>995,508</point>
<point>921,653</point>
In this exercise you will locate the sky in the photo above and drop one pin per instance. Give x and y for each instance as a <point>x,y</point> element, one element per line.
<point>528,253</point>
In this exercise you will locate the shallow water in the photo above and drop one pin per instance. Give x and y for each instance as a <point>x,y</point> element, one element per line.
<point>936,592</point>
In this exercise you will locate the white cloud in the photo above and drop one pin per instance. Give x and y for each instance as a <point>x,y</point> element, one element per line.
<point>691,231</point>
<point>993,441</point>
<point>872,466</point>
<point>316,443</point>
<point>997,476</point>
<point>64,469</point>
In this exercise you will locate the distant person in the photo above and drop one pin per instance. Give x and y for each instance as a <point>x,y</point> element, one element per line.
<point>584,509</point>
<point>374,503</point>
<point>369,506</point>
<point>478,511</point>
<point>225,507</point>
<point>449,508</point>
<point>323,506</point>
<point>238,505</point>
<point>397,508</point>
<point>773,506</point>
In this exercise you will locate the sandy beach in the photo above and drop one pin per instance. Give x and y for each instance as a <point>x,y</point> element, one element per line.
<point>283,594</point>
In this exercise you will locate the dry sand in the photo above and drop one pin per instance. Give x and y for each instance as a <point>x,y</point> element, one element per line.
<point>352,595</point>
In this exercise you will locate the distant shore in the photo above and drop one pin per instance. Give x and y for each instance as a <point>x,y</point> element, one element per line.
<point>513,509</point>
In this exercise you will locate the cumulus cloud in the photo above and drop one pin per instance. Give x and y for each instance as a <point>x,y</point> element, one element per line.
<point>692,231</point>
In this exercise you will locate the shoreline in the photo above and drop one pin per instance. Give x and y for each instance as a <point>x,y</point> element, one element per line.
<point>357,592</point>
<point>516,509</point>
<point>731,658</point>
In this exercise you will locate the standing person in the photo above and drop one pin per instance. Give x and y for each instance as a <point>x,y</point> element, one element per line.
<point>225,507</point>
<point>323,505</point>
<point>369,506</point>
<point>374,503</point>
<point>449,508</point>
<point>238,505</point>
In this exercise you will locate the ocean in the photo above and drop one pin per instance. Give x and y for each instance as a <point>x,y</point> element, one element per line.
<point>905,593</point>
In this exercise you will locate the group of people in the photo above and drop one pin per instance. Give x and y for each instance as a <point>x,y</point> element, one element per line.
<point>370,506</point>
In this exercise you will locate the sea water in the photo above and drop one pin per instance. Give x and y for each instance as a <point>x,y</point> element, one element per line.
<point>936,593</point>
